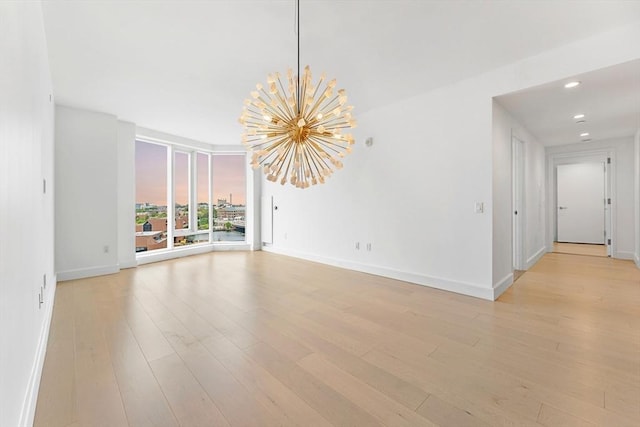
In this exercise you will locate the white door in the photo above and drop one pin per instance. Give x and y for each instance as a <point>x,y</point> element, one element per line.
<point>517,196</point>
<point>581,208</point>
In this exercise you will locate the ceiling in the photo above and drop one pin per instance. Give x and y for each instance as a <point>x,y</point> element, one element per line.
<point>184,67</point>
<point>609,99</point>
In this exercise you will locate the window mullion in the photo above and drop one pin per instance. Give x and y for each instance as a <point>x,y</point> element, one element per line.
<point>210,198</point>
<point>171,208</point>
<point>193,192</point>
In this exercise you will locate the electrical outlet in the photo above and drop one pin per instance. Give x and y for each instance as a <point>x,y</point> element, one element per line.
<point>106,249</point>
<point>369,246</point>
<point>357,246</point>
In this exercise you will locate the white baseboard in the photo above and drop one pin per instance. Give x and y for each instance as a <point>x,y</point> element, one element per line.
<point>535,257</point>
<point>28,412</point>
<point>624,255</point>
<point>637,260</point>
<point>81,273</point>
<point>155,256</point>
<point>502,286</point>
<point>130,263</point>
<point>470,289</point>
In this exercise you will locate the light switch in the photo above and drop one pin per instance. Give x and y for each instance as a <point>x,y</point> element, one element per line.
<point>479,207</point>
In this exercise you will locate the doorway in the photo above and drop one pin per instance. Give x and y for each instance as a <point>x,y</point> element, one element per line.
<point>580,249</point>
<point>582,212</point>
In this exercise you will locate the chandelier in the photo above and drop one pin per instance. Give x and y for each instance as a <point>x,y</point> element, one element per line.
<point>297,134</point>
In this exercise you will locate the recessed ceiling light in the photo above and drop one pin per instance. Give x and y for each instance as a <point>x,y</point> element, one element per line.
<point>580,121</point>
<point>584,134</point>
<point>586,140</point>
<point>572,84</point>
<point>578,116</point>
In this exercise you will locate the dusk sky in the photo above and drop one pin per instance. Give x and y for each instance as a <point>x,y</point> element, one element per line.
<point>151,176</point>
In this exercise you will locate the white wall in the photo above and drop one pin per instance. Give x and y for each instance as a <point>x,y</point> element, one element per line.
<point>411,195</point>
<point>504,127</point>
<point>86,201</point>
<point>126,195</point>
<point>26,212</point>
<point>623,198</point>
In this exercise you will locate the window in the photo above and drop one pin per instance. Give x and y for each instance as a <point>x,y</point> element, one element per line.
<point>181,189</point>
<point>229,193</point>
<point>151,196</point>
<point>206,192</point>
<point>202,192</point>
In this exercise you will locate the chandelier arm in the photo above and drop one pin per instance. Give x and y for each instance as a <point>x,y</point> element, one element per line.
<point>311,161</point>
<point>287,160</point>
<point>276,111</point>
<point>326,144</point>
<point>288,114</point>
<point>329,119</point>
<point>308,170</point>
<point>282,158</point>
<point>315,92</point>
<point>338,142</point>
<point>325,106</point>
<point>283,101</point>
<point>320,104</point>
<point>321,159</point>
<point>270,144</point>
<point>302,101</point>
<point>294,170</point>
<point>343,125</point>
<point>313,155</point>
<point>309,173</point>
<point>269,160</point>
<point>267,94</point>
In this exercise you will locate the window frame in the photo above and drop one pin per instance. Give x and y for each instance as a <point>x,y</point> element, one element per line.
<point>193,150</point>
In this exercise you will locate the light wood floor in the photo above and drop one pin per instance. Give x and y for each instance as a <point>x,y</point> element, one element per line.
<point>580,249</point>
<point>256,339</point>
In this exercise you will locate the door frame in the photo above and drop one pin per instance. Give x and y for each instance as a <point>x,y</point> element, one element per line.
<point>600,169</point>
<point>587,156</point>
<point>518,219</point>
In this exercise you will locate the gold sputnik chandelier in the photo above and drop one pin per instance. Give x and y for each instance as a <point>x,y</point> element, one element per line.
<point>296,134</point>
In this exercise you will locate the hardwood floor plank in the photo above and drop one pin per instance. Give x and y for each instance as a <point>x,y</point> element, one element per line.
<point>480,403</point>
<point>280,400</point>
<point>153,344</point>
<point>238,406</point>
<point>189,402</point>
<point>331,405</point>
<point>144,402</point>
<point>445,414</point>
<point>552,417</point>
<point>99,402</point>
<point>387,411</point>
<point>390,385</point>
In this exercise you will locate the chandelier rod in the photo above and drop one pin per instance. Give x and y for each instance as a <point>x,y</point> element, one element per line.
<point>298,78</point>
